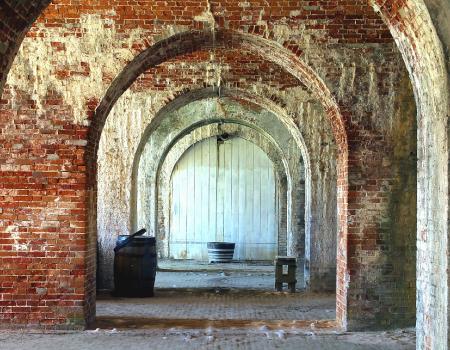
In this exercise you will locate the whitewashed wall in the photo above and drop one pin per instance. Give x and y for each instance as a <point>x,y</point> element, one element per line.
<point>224,192</point>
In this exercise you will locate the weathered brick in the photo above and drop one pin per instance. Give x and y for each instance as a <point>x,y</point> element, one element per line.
<point>50,134</point>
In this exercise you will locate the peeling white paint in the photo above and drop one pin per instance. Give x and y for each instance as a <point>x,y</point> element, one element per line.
<point>206,17</point>
<point>119,141</point>
<point>283,32</point>
<point>99,52</point>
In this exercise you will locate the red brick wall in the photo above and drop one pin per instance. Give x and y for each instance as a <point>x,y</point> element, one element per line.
<point>43,214</point>
<point>343,22</point>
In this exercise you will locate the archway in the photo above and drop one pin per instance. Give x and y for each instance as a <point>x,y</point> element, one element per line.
<point>326,274</point>
<point>213,130</point>
<point>233,188</point>
<point>190,114</point>
<point>192,41</point>
<point>423,55</point>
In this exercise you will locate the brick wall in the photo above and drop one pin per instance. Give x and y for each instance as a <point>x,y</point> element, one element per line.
<point>43,214</point>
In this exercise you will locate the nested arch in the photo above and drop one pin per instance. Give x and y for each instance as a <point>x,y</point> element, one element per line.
<point>196,40</point>
<point>436,152</point>
<point>279,117</point>
<point>187,126</point>
<point>296,233</point>
<point>208,93</point>
<point>302,226</point>
<point>192,41</point>
<point>395,22</point>
<point>247,99</point>
<point>202,133</point>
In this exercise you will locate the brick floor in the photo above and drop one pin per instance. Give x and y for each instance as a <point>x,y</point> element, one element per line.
<point>185,339</point>
<point>219,304</point>
<point>213,307</point>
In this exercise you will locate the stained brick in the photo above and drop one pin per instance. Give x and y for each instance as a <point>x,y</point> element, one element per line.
<point>55,162</point>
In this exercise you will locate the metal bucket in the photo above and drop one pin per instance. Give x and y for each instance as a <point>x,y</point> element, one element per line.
<point>220,252</point>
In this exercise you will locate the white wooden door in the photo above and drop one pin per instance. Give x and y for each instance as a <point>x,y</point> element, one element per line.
<point>224,192</point>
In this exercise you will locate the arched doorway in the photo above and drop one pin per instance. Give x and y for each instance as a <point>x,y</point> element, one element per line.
<point>224,189</point>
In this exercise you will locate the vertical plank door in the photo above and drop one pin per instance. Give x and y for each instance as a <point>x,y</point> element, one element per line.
<point>223,191</point>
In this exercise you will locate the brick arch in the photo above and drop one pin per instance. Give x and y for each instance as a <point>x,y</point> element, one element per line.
<point>422,52</point>
<point>247,98</point>
<point>107,238</point>
<point>187,96</point>
<point>192,41</point>
<point>395,15</point>
<point>189,129</point>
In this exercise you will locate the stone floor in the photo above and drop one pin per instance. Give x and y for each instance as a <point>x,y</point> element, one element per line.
<point>195,265</point>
